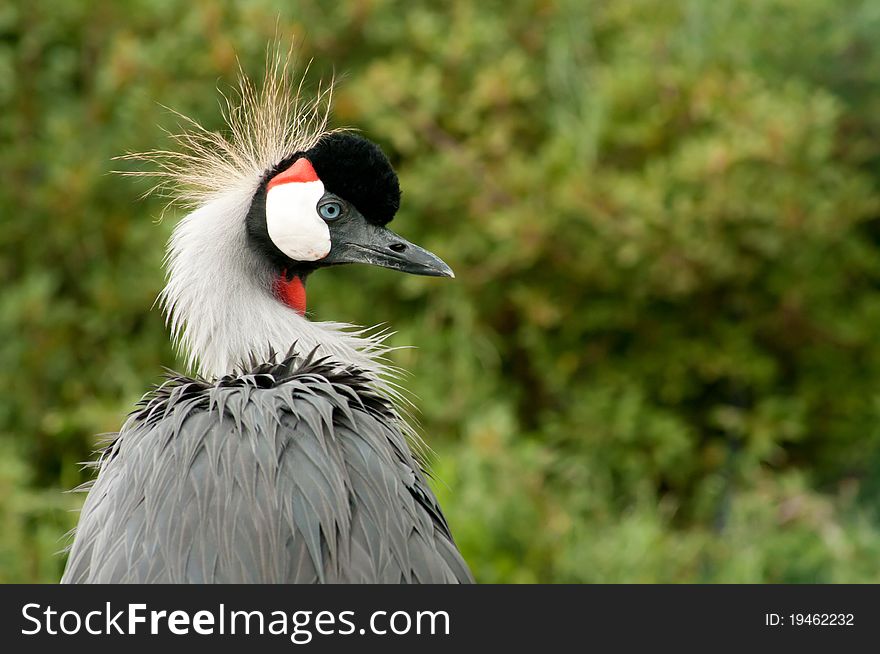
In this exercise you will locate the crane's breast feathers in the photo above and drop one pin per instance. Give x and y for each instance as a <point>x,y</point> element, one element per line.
<point>291,472</point>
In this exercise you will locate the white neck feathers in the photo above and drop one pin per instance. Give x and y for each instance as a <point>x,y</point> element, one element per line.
<point>221,307</point>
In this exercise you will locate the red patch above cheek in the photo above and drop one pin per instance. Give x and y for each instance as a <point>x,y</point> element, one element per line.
<point>300,171</point>
<point>292,293</point>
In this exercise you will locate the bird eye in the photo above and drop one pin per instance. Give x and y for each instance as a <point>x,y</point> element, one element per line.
<point>330,210</point>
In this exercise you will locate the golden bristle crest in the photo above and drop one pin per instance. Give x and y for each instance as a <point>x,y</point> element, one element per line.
<point>264,125</point>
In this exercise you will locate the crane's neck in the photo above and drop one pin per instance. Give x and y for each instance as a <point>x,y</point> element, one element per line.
<point>226,306</point>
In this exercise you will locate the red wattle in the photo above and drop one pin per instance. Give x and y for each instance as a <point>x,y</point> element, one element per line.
<point>292,293</point>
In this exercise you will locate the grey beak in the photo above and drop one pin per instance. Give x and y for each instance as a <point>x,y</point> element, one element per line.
<point>362,242</point>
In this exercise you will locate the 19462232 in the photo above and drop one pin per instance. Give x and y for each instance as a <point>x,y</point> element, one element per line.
<point>810,619</point>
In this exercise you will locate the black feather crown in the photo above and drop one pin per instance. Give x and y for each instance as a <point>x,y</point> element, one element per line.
<point>358,171</point>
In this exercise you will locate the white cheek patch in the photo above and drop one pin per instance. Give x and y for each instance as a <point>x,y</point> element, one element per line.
<point>293,222</point>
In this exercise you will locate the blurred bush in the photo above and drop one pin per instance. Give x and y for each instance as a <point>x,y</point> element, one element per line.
<point>659,359</point>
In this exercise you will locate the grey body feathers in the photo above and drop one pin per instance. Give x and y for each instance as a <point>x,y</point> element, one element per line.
<point>296,472</point>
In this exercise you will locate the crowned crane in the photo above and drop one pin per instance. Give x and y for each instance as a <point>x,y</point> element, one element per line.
<point>287,457</point>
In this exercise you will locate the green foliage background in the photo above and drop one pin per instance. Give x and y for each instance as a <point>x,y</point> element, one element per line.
<point>660,359</point>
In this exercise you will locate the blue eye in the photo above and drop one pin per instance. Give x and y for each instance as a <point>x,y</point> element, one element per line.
<point>330,210</point>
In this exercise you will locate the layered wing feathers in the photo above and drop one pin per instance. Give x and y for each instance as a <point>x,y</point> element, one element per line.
<point>292,473</point>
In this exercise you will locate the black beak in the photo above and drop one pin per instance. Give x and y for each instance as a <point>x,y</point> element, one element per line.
<point>357,241</point>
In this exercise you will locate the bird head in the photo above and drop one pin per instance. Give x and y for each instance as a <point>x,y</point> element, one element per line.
<point>273,199</point>
<point>327,206</point>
